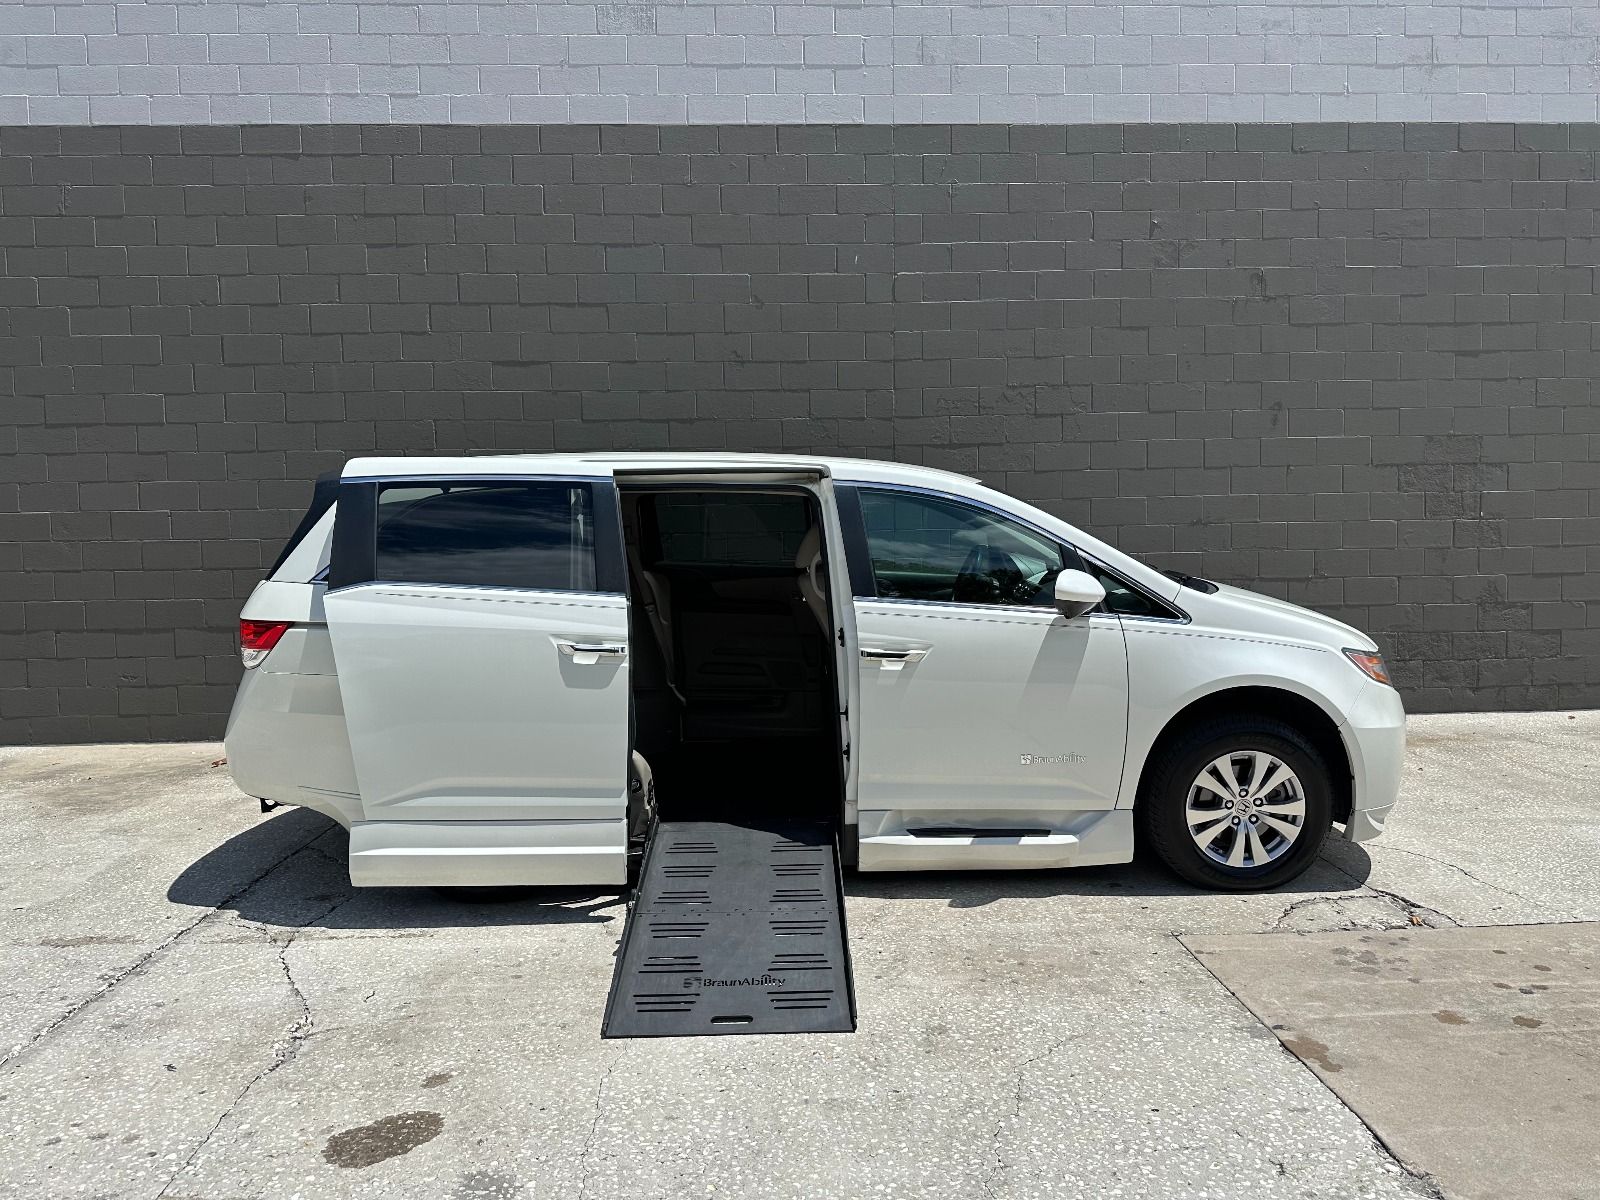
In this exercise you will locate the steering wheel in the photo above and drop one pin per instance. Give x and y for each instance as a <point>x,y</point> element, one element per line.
<point>987,576</point>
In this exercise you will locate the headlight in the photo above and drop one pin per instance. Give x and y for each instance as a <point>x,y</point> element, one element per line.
<point>1371,664</point>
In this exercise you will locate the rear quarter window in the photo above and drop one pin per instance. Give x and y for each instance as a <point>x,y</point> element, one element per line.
<point>323,494</point>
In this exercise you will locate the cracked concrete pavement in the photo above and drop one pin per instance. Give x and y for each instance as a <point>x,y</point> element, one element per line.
<point>196,1004</point>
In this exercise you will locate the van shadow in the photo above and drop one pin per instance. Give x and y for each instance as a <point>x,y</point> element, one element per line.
<point>1341,867</point>
<point>290,870</point>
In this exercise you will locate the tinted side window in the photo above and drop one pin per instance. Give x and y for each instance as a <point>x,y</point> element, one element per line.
<point>931,548</point>
<point>490,534</point>
<point>1122,599</point>
<point>707,529</point>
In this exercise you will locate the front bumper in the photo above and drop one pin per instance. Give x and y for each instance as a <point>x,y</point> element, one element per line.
<point>1374,735</point>
<point>1366,823</point>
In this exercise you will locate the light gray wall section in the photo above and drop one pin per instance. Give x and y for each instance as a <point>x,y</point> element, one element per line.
<point>722,61</point>
<point>1351,365</point>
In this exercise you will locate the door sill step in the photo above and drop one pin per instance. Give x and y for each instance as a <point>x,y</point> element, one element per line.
<point>1094,839</point>
<point>488,853</point>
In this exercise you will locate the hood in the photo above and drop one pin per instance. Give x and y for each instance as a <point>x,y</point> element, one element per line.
<point>1267,614</point>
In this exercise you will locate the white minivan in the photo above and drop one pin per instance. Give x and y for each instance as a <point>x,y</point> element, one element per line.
<point>502,669</point>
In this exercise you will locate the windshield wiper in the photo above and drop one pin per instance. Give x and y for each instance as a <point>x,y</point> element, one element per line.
<point>1191,581</point>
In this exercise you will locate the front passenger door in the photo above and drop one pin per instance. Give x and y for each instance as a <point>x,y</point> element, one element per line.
<point>980,705</point>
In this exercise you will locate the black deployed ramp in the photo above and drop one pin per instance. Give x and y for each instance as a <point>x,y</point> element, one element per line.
<point>734,929</point>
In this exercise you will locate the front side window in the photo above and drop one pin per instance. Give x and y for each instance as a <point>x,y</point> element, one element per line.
<point>1123,599</point>
<point>533,535</point>
<point>932,548</point>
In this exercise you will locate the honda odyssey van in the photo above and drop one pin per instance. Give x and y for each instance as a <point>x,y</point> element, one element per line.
<point>505,669</point>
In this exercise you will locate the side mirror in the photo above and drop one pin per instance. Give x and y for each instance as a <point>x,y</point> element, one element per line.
<point>1077,592</point>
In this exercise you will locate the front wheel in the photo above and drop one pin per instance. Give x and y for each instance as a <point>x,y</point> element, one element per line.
<point>1237,804</point>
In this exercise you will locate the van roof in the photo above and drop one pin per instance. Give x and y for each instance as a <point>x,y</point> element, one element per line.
<point>605,463</point>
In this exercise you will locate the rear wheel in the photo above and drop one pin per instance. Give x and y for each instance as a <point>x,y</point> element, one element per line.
<point>1237,804</point>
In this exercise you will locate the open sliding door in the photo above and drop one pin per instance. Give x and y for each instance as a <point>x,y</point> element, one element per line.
<point>480,630</point>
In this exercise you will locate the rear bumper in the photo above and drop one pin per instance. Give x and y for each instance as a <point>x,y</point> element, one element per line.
<point>1374,734</point>
<point>286,742</point>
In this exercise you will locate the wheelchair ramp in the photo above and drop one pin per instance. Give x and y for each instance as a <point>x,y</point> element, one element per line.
<point>734,929</point>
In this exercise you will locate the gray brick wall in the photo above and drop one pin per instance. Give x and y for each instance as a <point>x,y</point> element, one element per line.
<point>1350,365</point>
<point>720,61</point>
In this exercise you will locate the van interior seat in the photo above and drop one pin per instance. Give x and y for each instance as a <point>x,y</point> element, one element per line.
<point>813,568</point>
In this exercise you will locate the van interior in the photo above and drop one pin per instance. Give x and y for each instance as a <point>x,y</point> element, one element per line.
<point>734,668</point>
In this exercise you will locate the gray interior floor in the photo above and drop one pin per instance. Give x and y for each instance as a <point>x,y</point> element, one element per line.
<point>194,1002</point>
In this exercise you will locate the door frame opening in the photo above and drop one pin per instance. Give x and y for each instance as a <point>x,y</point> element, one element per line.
<point>834,630</point>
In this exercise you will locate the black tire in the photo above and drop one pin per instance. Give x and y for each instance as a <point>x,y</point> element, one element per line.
<point>1164,795</point>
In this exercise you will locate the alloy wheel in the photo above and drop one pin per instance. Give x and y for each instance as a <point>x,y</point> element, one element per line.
<point>1245,809</point>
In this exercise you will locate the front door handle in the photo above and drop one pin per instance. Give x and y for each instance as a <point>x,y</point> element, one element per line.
<point>893,659</point>
<point>586,654</point>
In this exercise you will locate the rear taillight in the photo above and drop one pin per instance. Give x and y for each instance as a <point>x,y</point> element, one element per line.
<point>257,638</point>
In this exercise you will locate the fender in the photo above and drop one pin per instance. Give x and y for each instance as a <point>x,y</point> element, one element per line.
<point>1148,720</point>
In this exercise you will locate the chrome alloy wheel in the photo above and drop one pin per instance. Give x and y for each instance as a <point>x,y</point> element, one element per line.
<point>1246,809</point>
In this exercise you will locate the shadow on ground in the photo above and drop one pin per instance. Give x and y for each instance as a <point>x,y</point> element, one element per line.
<point>290,870</point>
<point>1139,879</point>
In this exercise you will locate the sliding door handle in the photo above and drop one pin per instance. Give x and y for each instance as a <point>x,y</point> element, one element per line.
<point>893,659</point>
<point>588,653</point>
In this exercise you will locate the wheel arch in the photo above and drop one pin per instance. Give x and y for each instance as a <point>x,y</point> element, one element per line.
<point>1272,703</point>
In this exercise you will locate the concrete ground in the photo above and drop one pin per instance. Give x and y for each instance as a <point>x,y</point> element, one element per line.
<point>194,1003</point>
<point>1474,1053</point>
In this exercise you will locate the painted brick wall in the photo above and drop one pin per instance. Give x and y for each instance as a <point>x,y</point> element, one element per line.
<point>740,60</point>
<point>1353,365</point>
